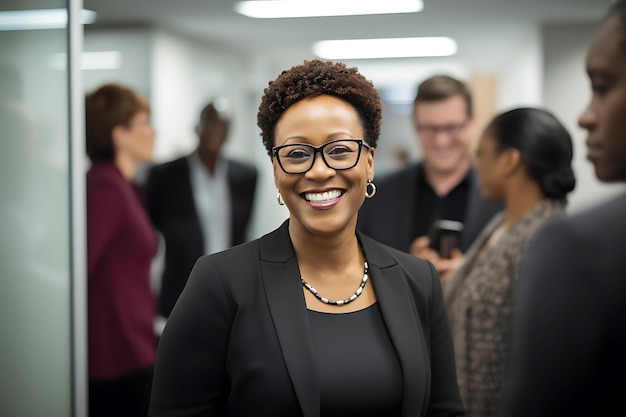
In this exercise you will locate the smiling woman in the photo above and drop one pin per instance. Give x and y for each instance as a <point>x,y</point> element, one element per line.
<point>315,316</point>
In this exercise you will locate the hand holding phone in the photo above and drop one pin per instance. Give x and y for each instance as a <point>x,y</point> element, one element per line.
<point>445,236</point>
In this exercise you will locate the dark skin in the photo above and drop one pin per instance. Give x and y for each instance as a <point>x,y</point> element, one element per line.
<point>212,134</point>
<point>603,118</point>
<point>322,230</point>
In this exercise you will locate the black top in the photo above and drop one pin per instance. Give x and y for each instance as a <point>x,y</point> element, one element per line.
<point>431,207</point>
<point>357,366</point>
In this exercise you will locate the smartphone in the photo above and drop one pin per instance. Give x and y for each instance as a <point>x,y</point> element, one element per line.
<point>445,236</point>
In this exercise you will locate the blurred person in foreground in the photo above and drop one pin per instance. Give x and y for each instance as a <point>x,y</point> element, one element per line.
<point>121,245</point>
<point>569,332</point>
<point>523,161</point>
<point>314,318</point>
<point>441,186</point>
<point>201,203</point>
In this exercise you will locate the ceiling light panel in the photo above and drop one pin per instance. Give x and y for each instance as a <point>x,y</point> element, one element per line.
<point>40,19</point>
<point>276,9</point>
<point>385,48</point>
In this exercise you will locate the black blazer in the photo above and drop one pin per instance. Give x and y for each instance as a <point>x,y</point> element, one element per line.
<point>171,207</point>
<point>569,327</point>
<point>238,343</point>
<point>388,216</point>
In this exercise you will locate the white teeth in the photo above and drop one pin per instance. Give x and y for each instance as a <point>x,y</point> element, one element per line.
<point>318,197</point>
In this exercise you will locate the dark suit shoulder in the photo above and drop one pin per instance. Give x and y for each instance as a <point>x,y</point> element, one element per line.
<point>403,175</point>
<point>169,166</point>
<point>245,167</point>
<point>392,188</point>
<point>581,249</point>
<point>248,251</point>
<point>242,172</point>
<point>232,272</point>
<point>167,178</point>
<point>607,217</point>
<point>598,224</point>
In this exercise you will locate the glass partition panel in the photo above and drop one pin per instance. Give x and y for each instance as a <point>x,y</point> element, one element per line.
<point>36,365</point>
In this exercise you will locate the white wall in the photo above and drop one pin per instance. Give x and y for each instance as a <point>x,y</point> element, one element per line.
<point>520,81</point>
<point>134,45</point>
<point>175,96</point>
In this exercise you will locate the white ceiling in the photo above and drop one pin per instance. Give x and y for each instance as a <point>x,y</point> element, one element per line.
<point>487,31</point>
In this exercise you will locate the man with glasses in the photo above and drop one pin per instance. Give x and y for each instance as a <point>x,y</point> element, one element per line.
<point>443,186</point>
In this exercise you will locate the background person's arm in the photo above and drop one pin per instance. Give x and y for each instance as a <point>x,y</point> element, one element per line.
<point>555,331</point>
<point>189,370</point>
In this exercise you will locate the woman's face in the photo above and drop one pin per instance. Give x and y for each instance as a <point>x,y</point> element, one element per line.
<point>322,201</point>
<point>489,164</point>
<point>603,119</point>
<point>138,138</point>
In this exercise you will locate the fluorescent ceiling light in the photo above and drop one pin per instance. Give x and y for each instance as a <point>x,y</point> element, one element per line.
<point>40,19</point>
<point>385,48</point>
<point>99,60</point>
<point>268,9</point>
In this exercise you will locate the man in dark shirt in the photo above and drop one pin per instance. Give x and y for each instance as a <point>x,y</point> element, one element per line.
<point>432,207</point>
<point>443,186</point>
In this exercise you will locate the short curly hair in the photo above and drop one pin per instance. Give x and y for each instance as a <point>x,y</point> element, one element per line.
<point>313,78</point>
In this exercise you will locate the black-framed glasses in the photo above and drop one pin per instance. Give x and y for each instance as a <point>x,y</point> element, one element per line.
<point>449,129</point>
<point>298,158</point>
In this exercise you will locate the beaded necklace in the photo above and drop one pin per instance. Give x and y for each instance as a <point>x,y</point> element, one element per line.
<point>338,302</point>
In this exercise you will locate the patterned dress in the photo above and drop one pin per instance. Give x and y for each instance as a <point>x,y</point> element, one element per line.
<point>479,296</point>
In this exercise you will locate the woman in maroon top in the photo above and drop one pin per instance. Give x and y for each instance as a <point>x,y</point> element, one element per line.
<point>120,247</point>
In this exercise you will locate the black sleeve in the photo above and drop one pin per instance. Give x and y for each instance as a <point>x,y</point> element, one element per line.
<point>189,369</point>
<point>554,329</point>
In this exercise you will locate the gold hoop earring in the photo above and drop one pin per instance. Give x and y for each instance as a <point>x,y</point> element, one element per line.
<point>280,200</point>
<point>372,186</point>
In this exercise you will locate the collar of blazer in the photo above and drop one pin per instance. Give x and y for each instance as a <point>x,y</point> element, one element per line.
<point>279,273</point>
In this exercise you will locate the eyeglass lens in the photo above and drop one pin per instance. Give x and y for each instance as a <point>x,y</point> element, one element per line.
<point>451,129</point>
<point>339,154</point>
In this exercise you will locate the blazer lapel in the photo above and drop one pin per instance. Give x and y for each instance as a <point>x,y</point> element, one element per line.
<point>396,303</point>
<point>280,275</point>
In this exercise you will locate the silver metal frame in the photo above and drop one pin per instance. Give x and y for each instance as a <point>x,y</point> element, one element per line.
<point>78,225</point>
